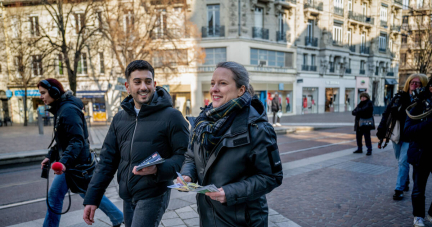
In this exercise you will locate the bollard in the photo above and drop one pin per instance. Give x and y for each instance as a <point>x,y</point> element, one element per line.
<point>40,123</point>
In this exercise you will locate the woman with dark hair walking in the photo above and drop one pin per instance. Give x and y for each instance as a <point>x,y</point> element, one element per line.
<point>71,149</point>
<point>364,122</point>
<point>233,146</point>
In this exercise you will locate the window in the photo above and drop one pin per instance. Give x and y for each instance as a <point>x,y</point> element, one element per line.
<point>101,64</point>
<point>364,8</point>
<point>15,27</point>
<point>310,28</point>
<point>404,39</point>
<point>305,57</point>
<point>79,22</point>
<point>419,3</point>
<point>99,20</point>
<point>404,19</point>
<point>349,37</point>
<point>403,58</point>
<point>282,24</point>
<point>349,63</point>
<point>350,5</point>
<point>405,4</point>
<point>215,55</point>
<point>82,64</point>
<point>337,34</point>
<point>36,65</point>
<point>259,17</point>
<point>19,68</point>
<point>363,40</point>
<point>34,26</point>
<point>383,13</point>
<point>128,21</point>
<point>362,65</point>
<point>313,57</point>
<point>213,19</point>
<point>60,64</point>
<point>382,42</point>
<point>338,4</point>
<point>273,58</point>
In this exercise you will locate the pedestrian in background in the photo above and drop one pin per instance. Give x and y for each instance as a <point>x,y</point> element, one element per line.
<point>148,124</point>
<point>71,148</point>
<point>234,147</point>
<point>418,130</point>
<point>364,122</point>
<point>397,108</point>
<point>275,107</point>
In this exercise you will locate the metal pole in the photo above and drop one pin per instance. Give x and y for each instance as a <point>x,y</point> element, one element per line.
<point>40,123</point>
<point>239,16</point>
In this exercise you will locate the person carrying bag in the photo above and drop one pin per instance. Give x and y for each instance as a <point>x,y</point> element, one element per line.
<point>364,122</point>
<point>71,150</point>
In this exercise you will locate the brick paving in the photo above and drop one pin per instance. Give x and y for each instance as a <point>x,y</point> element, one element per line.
<point>323,194</point>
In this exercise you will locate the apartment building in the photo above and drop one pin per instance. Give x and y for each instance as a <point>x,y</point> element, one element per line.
<point>344,48</point>
<point>416,39</point>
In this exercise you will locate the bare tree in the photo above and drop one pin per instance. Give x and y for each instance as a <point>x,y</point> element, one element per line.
<point>418,32</point>
<point>29,59</point>
<point>73,28</point>
<point>154,30</point>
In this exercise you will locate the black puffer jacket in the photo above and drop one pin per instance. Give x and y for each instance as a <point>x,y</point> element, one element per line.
<point>275,104</point>
<point>131,139</point>
<point>397,108</point>
<point>245,163</point>
<point>363,110</point>
<point>71,130</point>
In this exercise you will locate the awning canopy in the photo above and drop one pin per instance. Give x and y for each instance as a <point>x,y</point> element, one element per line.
<point>390,82</point>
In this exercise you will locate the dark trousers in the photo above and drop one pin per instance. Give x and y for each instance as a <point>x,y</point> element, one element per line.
<point>274,118</point>
<point>366,133</point>
<point>420,176</point>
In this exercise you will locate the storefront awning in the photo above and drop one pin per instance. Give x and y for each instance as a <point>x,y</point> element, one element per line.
<point>390,82</point>
<point>90,94</point>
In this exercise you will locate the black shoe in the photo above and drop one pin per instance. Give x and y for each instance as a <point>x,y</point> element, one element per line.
<point>406,188</point>
<point>369,153</point>
<point>398,195</point>
<point>358,152</point>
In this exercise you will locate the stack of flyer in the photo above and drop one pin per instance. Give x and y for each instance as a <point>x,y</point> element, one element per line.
<point>191,187</point>
<point>154,159</point>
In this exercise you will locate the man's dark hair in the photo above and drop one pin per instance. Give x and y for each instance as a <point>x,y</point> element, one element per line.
<point>138,65</point>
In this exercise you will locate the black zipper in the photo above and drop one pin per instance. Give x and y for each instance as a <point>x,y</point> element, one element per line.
<point>130,154</point>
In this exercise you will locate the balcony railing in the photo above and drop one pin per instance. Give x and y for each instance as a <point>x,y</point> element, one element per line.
<point>382,49</point>
<point>311,41</point>
<point>281,36</point>
<point>360,18</point>
<point>292,1</point>
<point>170,2</point>
<point>337,42</point>
<point>213,31</point>
<point>260,33</point>
<point>362,71</point>
<point>169,33</point>
<point>364,50</point>
<point>313,68</point>
<point>383,23</point>
<point>314,5</point>
<point>352,48</point>
<point>398,2</point>
<point>390,73</point>
<point>339,11</point>
<point>348,71</point>
<point>396,28</point>
<point>305,67</point>
<point>332,69</point>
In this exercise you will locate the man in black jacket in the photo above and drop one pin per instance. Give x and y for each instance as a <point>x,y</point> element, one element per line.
<point>147,124</point>
<point>275,108</point>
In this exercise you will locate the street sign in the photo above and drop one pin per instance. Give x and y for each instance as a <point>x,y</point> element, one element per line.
<point>281,86</point>
<point>121,80</point>
<point>120,88</point>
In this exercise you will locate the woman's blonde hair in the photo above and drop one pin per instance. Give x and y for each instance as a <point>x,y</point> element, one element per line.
<point>423,79</point>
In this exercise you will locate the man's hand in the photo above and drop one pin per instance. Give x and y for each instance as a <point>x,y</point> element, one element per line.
<point>44,162</point>
<point>62,171</point>
<point>89,212</point>
<point>218,196</point>
<point>145,171</point>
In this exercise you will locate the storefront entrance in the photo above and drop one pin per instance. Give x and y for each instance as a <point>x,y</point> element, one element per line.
<point>309,100</point>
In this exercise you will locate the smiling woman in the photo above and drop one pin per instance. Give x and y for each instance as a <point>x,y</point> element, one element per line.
<point>224,135</point>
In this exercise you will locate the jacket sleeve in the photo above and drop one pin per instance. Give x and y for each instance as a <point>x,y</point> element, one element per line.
<point>381,128</point>
<point>189,167</point>
<point>416,129</point>
<point>178,136</point>
<point>73,129</point>
<point>105,169</point>
<point>53,153</point>
<point>265,168</point>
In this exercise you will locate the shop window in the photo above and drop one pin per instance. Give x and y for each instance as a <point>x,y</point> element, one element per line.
<point>215,55</point>
<point>309,100</point>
